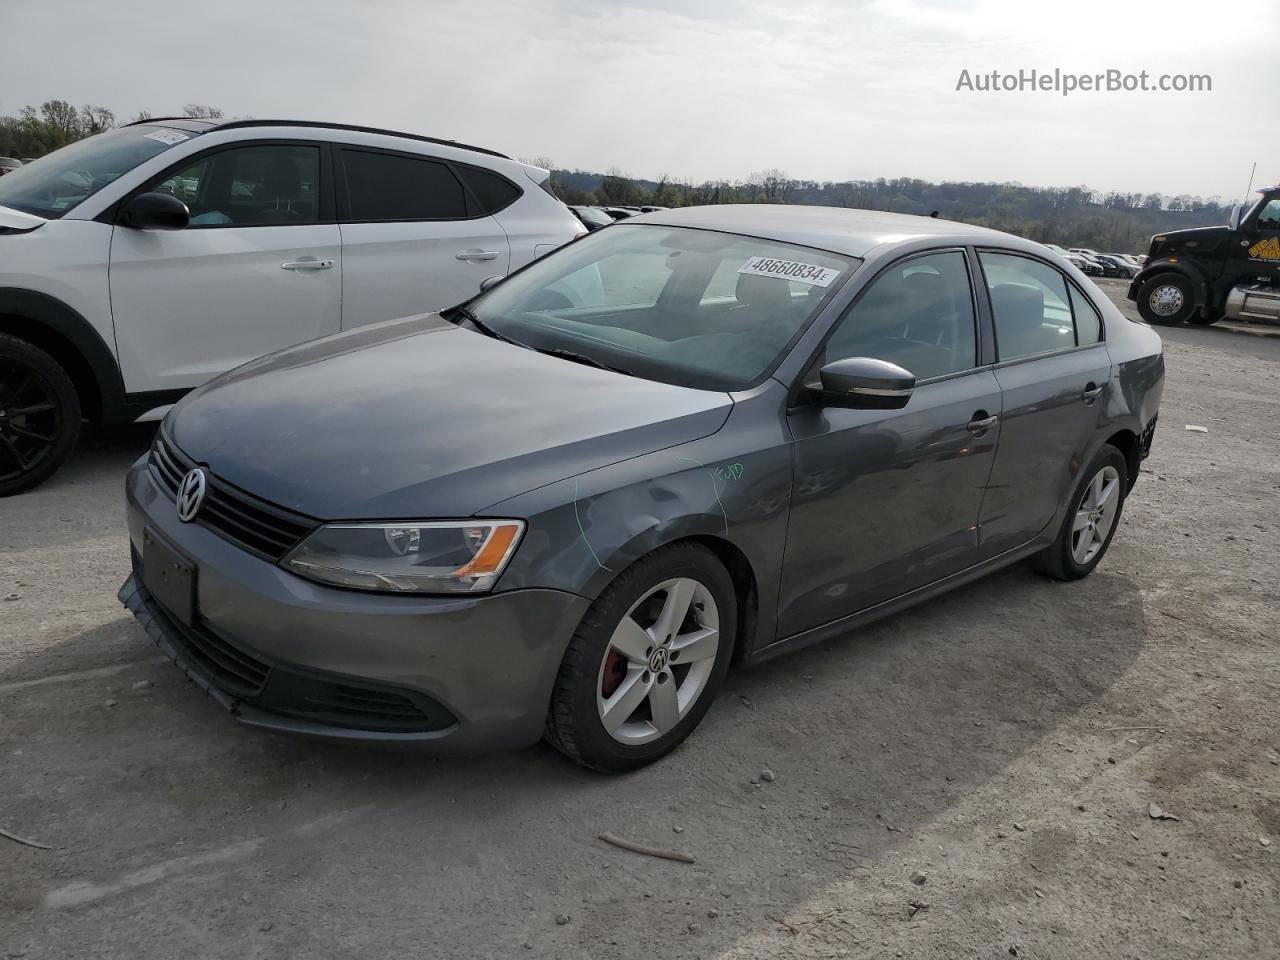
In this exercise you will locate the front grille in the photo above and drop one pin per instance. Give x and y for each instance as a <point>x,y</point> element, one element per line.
<point>260,527</point>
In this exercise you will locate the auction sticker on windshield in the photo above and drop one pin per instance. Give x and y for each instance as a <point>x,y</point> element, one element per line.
<point>809,273</point>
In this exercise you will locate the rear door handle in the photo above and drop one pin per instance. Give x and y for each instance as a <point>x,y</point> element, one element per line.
<point>1091,392</point>
<point>981,424</point>
<point>475,255</point>
<point>307,263</point>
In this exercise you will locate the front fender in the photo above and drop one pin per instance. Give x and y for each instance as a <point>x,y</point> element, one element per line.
<point>1199,282</point>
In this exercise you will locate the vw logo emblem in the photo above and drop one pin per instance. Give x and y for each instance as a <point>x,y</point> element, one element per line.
<point>191,495</point>
<point>658,660</point>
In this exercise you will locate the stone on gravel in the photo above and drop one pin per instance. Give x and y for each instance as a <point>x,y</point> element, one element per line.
<point>767,775</point>
<point>918,878</point>
<point>562,919</point>
<point>1155,812</point>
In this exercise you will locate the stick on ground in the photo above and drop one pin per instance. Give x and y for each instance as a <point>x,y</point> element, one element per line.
<point>30,843</point>
<point>647,851</point>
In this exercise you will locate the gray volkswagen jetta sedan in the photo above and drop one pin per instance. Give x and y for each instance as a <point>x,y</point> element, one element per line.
<point>701,437</point>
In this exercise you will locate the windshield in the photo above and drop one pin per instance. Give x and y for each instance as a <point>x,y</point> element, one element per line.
<point>57,183</point>
<point>691,307</point>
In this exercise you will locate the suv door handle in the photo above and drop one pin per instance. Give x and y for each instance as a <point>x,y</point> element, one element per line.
<point>307,263</point>
<point>1091,393</point>
<point>477,255</point>
<point>981,423</point>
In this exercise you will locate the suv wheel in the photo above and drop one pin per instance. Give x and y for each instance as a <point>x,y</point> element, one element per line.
<point>647,660</point>
<point>1090,524</point>
<point>39,415</point>
<point>1167,298</point>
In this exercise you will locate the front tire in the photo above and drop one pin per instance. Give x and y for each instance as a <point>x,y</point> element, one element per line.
<point>1091,522</point>
<point>1167,298</point>
<point>648,658</point>
<point>39,415</point>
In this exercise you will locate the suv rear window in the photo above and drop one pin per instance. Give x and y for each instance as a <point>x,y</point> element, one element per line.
<point>387,186</point>
<point>493,192</point>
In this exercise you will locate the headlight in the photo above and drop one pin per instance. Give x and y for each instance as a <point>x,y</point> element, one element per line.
<point>463,556</point>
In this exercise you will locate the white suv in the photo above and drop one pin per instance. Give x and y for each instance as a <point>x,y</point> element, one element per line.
<point>137,264</point>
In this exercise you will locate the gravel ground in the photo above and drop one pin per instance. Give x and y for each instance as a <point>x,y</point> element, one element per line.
<point>972,778</point>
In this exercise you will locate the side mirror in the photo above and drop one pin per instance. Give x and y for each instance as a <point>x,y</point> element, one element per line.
<point>489,282</point>
<point>155,211</point>
<point>1233,221</point>
<point>864,383</point>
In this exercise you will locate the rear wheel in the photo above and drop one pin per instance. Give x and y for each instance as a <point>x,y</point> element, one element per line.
<point>1167,298</point>
<point>646,661</point>
<point>1090,524</point>
<point>39,415</point>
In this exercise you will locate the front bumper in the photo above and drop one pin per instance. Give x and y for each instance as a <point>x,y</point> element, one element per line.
<point>283,653</point>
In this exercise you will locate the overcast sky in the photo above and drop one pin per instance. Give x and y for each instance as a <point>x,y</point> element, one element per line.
<point>700,89</point>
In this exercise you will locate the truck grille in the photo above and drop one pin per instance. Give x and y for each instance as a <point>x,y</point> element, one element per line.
<point>261,528</point>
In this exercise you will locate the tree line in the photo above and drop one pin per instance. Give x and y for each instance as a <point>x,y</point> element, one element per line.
<point>1068,216</point>
<point>35,131</point>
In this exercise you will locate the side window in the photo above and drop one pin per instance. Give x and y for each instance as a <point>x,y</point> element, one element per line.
<point>917,314</point>
<point>1030,302</point>
<point>1088,320</point>
<point>385,186</point>
<point>493,192</point>
<point>257,186</point>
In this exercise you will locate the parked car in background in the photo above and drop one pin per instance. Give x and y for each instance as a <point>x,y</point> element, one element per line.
<point>593,218</point>
<point>1122,265</point>
<point>620,213</point>
<point>1086,265</point>
<point>138,263</point>
<point>8,165</point>
<point>735,431</point>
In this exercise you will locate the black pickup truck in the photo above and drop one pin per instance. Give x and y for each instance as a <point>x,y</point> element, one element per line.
<point>1214,273</point>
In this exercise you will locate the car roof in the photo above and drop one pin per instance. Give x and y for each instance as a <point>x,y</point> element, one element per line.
<point>838,229</point>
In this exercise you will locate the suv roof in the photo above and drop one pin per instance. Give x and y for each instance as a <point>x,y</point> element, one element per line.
<point>196,125</point>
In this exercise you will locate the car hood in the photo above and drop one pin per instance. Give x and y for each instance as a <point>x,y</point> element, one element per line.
<point>418,418</point>
<point>11,219</point>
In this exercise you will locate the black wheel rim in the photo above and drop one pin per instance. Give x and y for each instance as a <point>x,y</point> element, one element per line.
<point>30,419</point>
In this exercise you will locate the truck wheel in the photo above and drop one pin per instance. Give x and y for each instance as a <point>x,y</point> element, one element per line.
<point>1167,298</point>
<point>39,415</point>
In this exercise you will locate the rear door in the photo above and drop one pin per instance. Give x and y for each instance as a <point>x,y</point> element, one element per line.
<point>1055,372</point>
<point>256,270</point>
<point>415,236</point>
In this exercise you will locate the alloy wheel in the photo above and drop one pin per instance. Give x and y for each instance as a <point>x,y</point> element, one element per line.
<point>658,661</point>
<point>1095,515</point>
<point>30,420</point>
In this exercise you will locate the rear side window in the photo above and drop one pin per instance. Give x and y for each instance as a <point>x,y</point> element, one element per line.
<point>385,186</point>
<point>1088,321</point>
<point>493,192</point>
<point>1031,306</point>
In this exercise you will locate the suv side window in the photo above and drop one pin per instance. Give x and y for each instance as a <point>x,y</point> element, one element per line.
<point>1030,304</point>
<point>390,187</point>
<point>252,186</point>
<point>494,192</point>
<point>918,314</point>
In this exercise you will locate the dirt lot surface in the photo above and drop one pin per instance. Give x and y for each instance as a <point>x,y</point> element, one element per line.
<point>972,778</point>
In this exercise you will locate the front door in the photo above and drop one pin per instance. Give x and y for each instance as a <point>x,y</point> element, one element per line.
<point>410,240</point>
<point>254,271</point>
<point>885,501</point>
<point>1055,373</point>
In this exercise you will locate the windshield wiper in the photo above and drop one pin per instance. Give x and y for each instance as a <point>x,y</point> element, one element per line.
<point>484,328</point>
<point>564,354</point>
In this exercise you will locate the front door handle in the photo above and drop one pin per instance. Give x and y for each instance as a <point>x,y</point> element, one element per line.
<point>981,423</point>
<point>1091,393</point>
<point>307,263</point>
<point>476,255</point>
